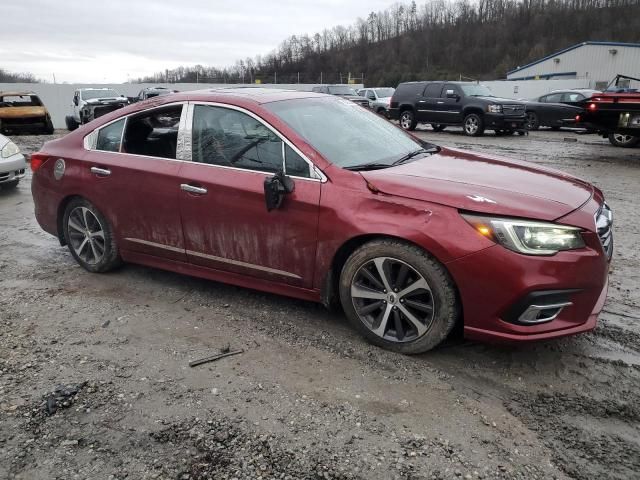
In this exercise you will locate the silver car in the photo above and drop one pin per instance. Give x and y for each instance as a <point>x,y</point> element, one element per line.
<point>12,164</point>
<point>379,98</point>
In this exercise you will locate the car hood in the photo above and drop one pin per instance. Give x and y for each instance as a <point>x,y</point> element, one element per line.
<point>95,101</point>
<point>510,101</point>
<point>486,184</point>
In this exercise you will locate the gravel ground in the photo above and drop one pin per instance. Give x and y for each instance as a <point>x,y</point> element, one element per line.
<point>95,382</point>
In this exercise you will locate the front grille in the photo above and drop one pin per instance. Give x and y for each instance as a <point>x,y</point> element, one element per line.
<point>604,223</point>
<point>103,110</point>
<point>513,110</point>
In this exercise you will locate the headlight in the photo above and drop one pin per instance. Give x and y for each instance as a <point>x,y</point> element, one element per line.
<point>494,109</point>
<point>9,149</point>
<point>528,237</point>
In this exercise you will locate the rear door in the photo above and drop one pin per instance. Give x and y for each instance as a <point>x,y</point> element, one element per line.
<point>430,103</point>
<point>132,176</point>
<point>224,217</point>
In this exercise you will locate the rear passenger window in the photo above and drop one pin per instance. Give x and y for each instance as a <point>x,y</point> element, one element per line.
<point>433,90</point>
<point>153,134</point>
<point>109,137</point>
<point>407,90</point>
<point>553,98</point>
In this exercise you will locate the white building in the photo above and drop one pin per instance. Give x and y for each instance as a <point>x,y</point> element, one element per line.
<point>595,62</point>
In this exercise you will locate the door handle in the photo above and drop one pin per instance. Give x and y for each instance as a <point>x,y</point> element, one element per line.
<point>440,103</point>
<point>191,189</point>
<point>103,172</point>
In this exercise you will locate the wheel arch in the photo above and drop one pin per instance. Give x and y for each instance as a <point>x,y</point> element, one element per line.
<point>472,109</point>
<point>62,206</point>
<point>330,288</point>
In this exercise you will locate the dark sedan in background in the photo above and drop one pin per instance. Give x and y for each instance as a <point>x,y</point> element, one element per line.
<point>556,109</point>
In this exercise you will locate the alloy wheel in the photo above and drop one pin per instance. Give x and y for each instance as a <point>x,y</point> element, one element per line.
<point>623,139</point>
<point>86,235</point>
<point>405,121</point>
<point>392,299</point>
<point>532,121</point>
<point>471,125</point>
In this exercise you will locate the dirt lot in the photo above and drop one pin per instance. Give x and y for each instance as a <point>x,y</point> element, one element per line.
<point>95,382</point>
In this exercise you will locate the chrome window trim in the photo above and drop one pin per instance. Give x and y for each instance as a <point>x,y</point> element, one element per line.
<point>316,174</point>
<point>188,142</point>
<point>126,118</point>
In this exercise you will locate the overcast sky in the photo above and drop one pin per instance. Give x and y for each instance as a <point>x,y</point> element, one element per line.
<point>113,40</point>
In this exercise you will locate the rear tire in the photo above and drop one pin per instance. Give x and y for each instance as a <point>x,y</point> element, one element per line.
<point>90,237</point>
<point>438,127</point>
<point>415,313</point>
<point>48,127</point>
<point>624,141</point>
<point>71,123</point>
<point>473,125</point>
<point>408,120</point>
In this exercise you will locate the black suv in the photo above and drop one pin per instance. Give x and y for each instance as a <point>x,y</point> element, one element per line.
<point>465,104</point>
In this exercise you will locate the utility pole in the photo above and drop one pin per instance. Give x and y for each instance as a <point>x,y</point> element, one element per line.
<point>298,77</point>
<point>320,78</point>
<point>275,77</point>
<point>54,78</point>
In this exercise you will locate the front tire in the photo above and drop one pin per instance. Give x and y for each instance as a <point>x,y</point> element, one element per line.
<point>71,123</point>
<point>622,140</point>
<point>473,125</point>
<point>398,296</point>
<point>408,120</point>
<point>90,237</point>
<point>532,121</point>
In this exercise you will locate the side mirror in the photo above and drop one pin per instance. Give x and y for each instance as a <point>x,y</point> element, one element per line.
<point>452,94</point>
<point>275,188</point>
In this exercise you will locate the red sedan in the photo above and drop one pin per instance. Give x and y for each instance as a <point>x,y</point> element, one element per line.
<point>312,196</point>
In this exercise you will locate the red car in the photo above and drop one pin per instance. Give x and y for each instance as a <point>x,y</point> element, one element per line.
<point>313,196</point>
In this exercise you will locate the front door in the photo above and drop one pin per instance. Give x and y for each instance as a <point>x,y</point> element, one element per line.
<point>224,217</point>
<point>132,177</point>
<point>450,106</point>
<point>430,104</point>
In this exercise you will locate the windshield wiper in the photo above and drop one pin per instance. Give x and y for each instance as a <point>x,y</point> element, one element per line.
<point>410,155</point>
<point>368,166</point>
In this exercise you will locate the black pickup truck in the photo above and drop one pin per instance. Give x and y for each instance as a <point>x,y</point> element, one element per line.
<point>467,104</point>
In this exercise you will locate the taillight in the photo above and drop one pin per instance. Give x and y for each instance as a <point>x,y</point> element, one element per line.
<point>577,118</point>
<point>592,106</point>
<point>37,160</point>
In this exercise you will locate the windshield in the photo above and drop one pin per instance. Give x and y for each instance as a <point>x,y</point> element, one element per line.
<point>106,93</point>
<point>342,90</point>
<point>385,92</point>
<point>476,90</point>
<point>344,133</point>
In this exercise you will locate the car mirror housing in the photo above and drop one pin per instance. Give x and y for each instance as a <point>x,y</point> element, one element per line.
<point>452,94</point>
<point>275,188</point>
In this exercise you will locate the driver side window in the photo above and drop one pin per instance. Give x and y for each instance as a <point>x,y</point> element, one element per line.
<point>226,137</point>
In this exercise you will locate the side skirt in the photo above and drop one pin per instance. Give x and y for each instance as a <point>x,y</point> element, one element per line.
<point>221,276</point>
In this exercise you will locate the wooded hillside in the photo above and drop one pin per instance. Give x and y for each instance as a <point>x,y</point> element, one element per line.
<point>482,39</point>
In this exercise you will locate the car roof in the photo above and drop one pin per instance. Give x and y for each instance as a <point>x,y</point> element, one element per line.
<point>257,95</point>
